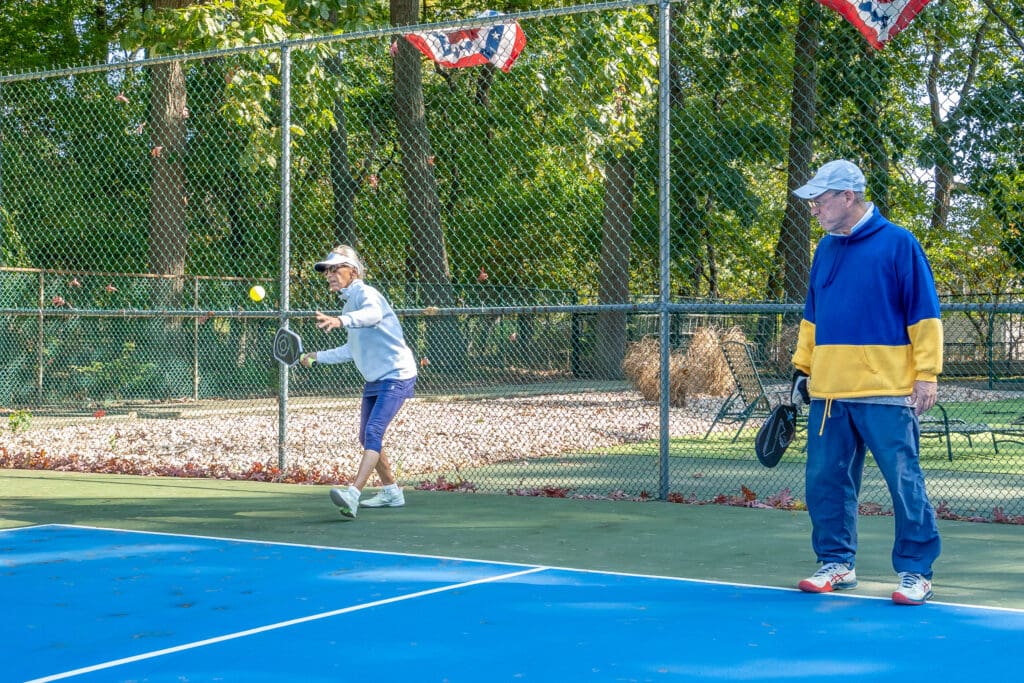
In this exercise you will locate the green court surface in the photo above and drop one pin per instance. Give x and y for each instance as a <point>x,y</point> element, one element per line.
<point>981,563</point>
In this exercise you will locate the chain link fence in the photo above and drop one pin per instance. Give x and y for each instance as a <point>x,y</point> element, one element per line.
<point>544,233</point>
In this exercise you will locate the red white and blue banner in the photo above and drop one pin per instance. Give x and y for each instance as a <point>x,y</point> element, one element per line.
<point>877,20</point>
<point>499,45</point>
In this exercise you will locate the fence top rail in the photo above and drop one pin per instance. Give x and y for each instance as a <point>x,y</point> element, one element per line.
<point>383,32</point>
<point>425,312</point>
<point>148,276</point>
<point>434,311</point>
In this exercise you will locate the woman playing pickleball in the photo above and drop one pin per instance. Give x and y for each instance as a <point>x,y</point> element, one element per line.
<point>376,344</point>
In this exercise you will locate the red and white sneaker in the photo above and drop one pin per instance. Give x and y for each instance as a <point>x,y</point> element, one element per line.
<point>834,576</point>
<point>914,589</point>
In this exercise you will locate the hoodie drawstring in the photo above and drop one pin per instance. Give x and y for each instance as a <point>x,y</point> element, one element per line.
<point>825,414</point>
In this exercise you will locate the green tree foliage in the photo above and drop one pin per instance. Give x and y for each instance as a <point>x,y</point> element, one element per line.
<point>728,58</point>
<point>519,158</point>
<point>923,144</point>
<point>46,34</point>
<point>52,132</point>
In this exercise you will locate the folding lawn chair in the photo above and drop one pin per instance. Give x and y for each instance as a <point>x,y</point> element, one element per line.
<point>749,399</point>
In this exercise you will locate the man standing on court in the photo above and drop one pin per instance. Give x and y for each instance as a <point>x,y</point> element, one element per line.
<point>377,345</point>
<point>867,360</point>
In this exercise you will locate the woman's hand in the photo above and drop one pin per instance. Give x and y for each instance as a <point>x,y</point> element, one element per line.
<point>327,322</point>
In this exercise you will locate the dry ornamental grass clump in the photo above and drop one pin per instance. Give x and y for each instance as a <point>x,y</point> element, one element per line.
<point>641,366</point>
<point>638,360</point>
<point>701,370</point>
<point>709,371</point>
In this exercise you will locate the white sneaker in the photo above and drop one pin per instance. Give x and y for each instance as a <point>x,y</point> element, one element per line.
<point>347,502</point>
<point>834,576</point>
<point>385,499</point>
<point>914,589</point>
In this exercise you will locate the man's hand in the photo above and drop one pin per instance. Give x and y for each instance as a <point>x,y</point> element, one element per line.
<point>306,360</point>
<point>327,322</point>
<point>798,390</point>
<point>923,396</point>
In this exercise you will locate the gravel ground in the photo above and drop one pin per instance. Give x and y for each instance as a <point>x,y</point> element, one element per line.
<point>429,436</point>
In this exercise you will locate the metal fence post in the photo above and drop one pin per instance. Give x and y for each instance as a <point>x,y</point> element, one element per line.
<point>195,340</point>
<point>664,20</point>
<point>286,208</point>
<point>991,344</point>
<point>41,355</point>
<point>3,231</point>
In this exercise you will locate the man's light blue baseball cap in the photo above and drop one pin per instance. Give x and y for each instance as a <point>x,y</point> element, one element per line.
<point>835,175</point>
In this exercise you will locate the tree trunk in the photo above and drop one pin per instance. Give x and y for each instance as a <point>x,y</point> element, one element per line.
<point>869,108</point>
<point>168,238</point>
<point>792,251</point>
<point>168,231</point>
<point>613,273</point>
<point>344,185</point>
<point>789,279</point>
<point>945,174</point>
<point>239,264</point>
<point>445,345</point>
<point>709,250</point>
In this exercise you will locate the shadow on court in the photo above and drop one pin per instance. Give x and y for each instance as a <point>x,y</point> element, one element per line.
<point>979,564</point>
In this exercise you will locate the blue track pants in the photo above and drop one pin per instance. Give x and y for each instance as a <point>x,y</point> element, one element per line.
<point>835,464</point>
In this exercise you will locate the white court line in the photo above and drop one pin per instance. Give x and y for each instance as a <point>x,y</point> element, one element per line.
<point>286,544</point>
<point>279,625</point>
<point>607,572</point>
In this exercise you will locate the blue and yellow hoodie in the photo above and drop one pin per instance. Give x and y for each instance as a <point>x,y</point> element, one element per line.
<point>871,323</point>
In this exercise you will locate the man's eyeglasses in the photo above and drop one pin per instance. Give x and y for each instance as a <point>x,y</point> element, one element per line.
<point>822,198</point>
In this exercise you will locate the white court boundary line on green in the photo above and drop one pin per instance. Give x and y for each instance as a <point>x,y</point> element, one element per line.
<point>456,558</point>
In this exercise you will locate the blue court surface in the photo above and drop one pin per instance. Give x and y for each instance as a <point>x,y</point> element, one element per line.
<point>88,604</point>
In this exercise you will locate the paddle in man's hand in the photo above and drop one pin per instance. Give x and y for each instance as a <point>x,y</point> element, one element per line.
<point>775,435</point>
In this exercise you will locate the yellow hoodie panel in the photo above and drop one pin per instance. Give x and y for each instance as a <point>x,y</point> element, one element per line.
<point>846,371</point>
<point>804,347</point>
<point>926,338</point>
<point>861,370</point>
